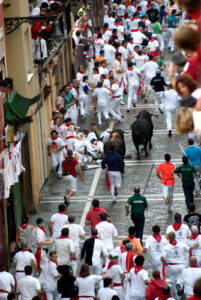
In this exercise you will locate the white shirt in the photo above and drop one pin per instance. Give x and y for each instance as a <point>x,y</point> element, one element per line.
<point>47,277</point>
<point>107,35</point>
<point>106,293</point>
<point>28,286</point>
<point>116,88</point>
<point>64,248</point>
<point>116,67</point>
<point>170,100</point>
<point>98,45</point>
<point>188,278</point>
<point>6,282</point>
<point>140,61</point>
<point>196,251</point>
<point>22,259</point>
<point>111,23</point>
<point>106,231</point>
<point>59,220</point>
<point>152,46</point>
<point>99,248</point>
<point>134,24</point>
<point>109,52</point>
<point>143,5</point>
<point>132,76</point>
<point>150,69</point>
<point>62,131</point>
<point>120,30</point>
<point>182,234</point>
<point>75,231</point>
<point>86,285</point>
<point>38,235</point>
<point>120,10</point>
<point>155,248</point>
<point>79,76</point>
<point>116,270</point>
<point>175,254</point>
<point>138,286</point>
<point>124,56</point>
<point>103,71</point>
<point>138,37</point>
<point>95,78</point>
<point>57,143</point>
<point>102,96</point>
<point>131,10</point>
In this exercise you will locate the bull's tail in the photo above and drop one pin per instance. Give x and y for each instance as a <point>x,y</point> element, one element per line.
<point>107,181</point>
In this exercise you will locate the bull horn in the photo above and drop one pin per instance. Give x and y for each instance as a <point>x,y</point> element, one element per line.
<point>154,114</point>
<point>135,116</point>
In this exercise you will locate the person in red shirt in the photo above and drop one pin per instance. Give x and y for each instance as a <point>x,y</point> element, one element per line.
<point>165,173</point>
<point>70,167</point>
<point>92,217</point>
<point>155,286</point>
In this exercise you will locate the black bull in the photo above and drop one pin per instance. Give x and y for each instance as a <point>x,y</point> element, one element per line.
<point>116,137</point>
<point>142,131</point>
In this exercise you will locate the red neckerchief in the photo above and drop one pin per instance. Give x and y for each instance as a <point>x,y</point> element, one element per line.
<point>131,236</point>
<point>134,18</point>
<point>157,237</point>
<point>93,237</point>
<point>104,30</point>
<point>137,269</point>
<point>152,40</point>
<point>55,145</point>
<point>24,226</point>
<point>176,226</point>
<point>117,25</point>
<point>25,250</point>
<point>63,237</point>
<point>43,229</point>
<point>196,13</point>
<point>118,59</point>
<point>111,264</point>
<point>194,266</point>
<point>129,261</point>
<point>130,68</point>
<point>113,34</point>
<point>53,261</point>
<point>122,249</point>
<point>173,243</point>
<point>62,212</point>
<point>114,82</point>
<point>164,297</point>
<point>194,236</point>
<point>81,72</point>
<point>143,22</point>
<point>135,51</point>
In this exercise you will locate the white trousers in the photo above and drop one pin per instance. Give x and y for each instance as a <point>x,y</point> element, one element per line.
<point>169,115</point>
<point>171,43</point>
<point>18,276</point>
<point>57,159</point>
<point>96,270</point>
<point>161,41</point>
<point>115,181</point>
<point>119,291</point>
<point>84,99</point>
<point>132,94</point>
<point>168,190</point>
<point>174,273</point>
<point>73,263</point>
<point>155,265</point>
<point>70,143</point>
<point>102,109</point>
<point>52,295</point>
<point>114,108</point>
<point>158,96</point>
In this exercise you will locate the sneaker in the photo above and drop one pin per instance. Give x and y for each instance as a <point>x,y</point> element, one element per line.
<point>122,102</point>
<point>170,133</point>
<point>160,110</point>
<point>134,104</point>
<point>167,199</point>
<point>115,191</point>
<point>145,100</point>
<point>128,110</point>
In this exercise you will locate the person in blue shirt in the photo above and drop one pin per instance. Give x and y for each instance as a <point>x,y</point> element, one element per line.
<point>194,155</point>
<point>115,164</point>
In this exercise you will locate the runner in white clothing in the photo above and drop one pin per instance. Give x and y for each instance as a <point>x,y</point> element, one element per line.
<point>195,241</point>
<point>102,100</point>
<point>109,54</point>
<point>118,274</point>
<point>139,279</point>
<point>107,292</point>
<point>75,233</point>
<point>106,232</point>
<point>174,256</point>
<point>120,9</point>
<point>7,283</point>
<point>22,259</point>
<point>149,71</point>
<point>155,244</point>
<point>114,102</point>
<point>133,84</point>
<point>57,221</point>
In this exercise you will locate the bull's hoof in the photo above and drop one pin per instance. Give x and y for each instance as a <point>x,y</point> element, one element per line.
<point>146,154</point>
<point>150,146</point>
<point>138,157</point>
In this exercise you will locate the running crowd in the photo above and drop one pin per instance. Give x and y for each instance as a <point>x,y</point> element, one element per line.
<point>125,56</point>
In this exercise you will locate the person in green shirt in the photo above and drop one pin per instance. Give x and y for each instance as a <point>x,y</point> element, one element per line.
<point>138,205</point>
<point>160,62</point>
<point>171,29</point>
<point>158,29</point>
<point>186,172</point>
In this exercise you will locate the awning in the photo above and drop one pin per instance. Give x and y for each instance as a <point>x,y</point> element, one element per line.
<point>17,107</point>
